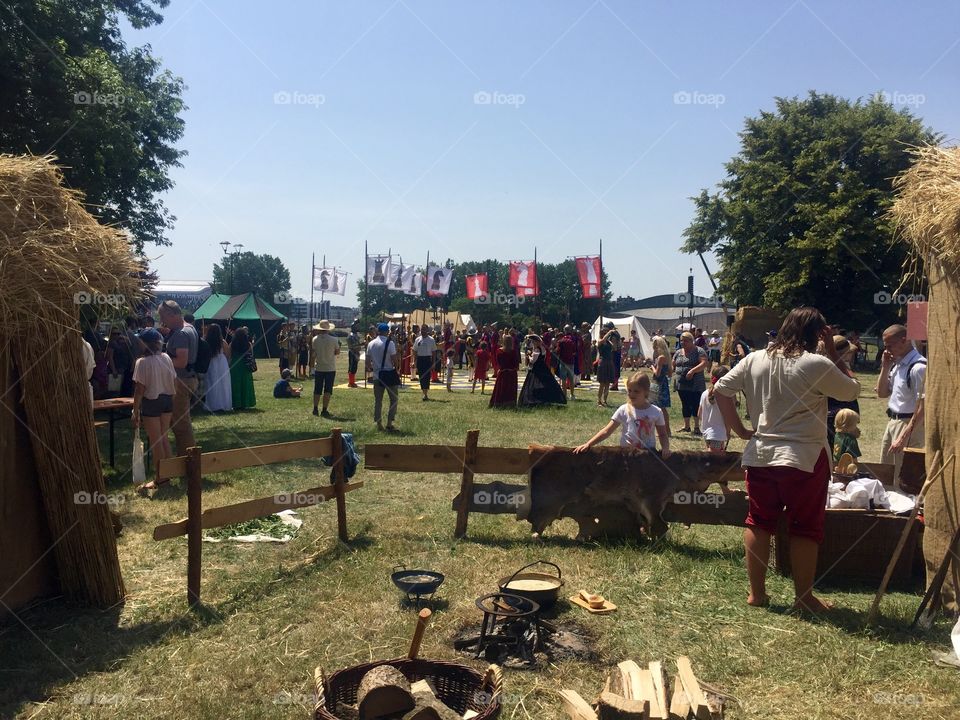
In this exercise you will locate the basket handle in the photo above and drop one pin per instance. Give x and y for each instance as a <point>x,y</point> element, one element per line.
<point>492,682</point>
<point>535,562</point>
<point>398,568</point>
<point>320,685</point>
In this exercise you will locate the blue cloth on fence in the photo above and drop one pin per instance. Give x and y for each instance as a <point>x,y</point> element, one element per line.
<point>351,460</point>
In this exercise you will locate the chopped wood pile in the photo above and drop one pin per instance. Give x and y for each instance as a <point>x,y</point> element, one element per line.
<point>635,693</point>
<point>385,694</point>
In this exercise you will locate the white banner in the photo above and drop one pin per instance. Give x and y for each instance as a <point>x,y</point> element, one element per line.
<point>379,269</point>
<point>438,280</point>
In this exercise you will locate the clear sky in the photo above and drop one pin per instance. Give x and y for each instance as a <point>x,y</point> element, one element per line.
<point>480,130</point>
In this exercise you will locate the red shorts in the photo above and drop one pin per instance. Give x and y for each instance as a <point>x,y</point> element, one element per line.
<point>802,495</point>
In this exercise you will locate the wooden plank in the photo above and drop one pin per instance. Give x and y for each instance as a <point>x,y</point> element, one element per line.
<point>223,460</point>
<point>710,509</point>
<point>413,458</point>
<point>336,439</point>
<point>194,530</point>
<point>698,703</point>
<point>882,472</point>
<point>576,707</point>
<point>648,693</point>
<point>679,703</point>
<point>261,507</point>
<point>660,688</point>
<point>444,459</point>
<point>466,483</point>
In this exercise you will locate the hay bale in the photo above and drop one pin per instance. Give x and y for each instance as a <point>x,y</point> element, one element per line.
<point>927,214</point>
<point>51,248</point>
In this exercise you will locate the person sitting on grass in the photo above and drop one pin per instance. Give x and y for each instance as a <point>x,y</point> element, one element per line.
<point>283,388</point>
<point>640,421</point>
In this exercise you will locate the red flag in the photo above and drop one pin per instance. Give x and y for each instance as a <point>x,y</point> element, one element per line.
<point>590,274</point>
<point>523,277</point>
<point>476,286</point>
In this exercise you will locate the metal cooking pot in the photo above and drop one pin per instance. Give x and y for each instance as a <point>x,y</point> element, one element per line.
<point>416,582</point>
<point>545,597</point>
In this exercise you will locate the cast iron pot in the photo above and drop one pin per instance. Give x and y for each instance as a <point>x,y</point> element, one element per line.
<point>546,597</point>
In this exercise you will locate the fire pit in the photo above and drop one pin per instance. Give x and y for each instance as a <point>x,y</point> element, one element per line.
<point>513,633</point>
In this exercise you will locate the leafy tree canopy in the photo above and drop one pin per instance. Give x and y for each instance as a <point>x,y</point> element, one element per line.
<point>246,272</point>
<point>70,86</point>
<point>801,217</point>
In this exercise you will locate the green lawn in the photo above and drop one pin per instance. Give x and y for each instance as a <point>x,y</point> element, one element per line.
<point>274,612</point>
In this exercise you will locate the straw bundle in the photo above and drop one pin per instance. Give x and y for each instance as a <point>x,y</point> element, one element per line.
<point>927,208</point>
<point>51,249</point>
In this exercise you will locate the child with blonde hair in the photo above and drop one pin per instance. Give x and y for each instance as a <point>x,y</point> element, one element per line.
<point>847,424</point>
<point>640,422</point>
<point>711,421</point>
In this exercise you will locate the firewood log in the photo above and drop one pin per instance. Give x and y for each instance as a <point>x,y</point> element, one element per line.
<point>577,708</point>
<point>384,691</point>
<point>679,702</point>
<point>614,707</point>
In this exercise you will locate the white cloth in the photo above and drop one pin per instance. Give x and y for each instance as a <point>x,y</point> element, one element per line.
<point>325,349</point>
<point>899,502</point>
<point>904,399</point>
<point>638,427</point>
<point>375,353</point>
<point>157,375</point>
<point>425,346</point>
<point>787,400</point>
<point>711,420</point>
<point>218,394</point>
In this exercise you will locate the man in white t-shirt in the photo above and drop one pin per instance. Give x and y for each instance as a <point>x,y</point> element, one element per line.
<point>382,355</point>
<point>903,372</point>
<point>325,350</point>
<point>787,460</point>
<point>425,349</point>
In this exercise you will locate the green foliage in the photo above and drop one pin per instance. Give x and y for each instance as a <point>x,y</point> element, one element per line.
<point>560,298</point>
<point>111,114</point>
<point>801,217</point>
<point>264,275</point>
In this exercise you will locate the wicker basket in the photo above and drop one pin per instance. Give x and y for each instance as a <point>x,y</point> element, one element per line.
<point>458,686</point>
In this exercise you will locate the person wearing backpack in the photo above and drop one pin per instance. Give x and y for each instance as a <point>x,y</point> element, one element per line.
<point>903,371</point>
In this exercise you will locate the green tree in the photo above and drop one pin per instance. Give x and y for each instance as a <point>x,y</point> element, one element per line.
<point>801,217</point>
<point>70,86</point>
<point>264,275</point>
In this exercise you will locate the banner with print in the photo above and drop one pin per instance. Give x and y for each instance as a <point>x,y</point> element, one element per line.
<point>438,280</point>
<point>414,284</point>
<point>476,286</point>
<point>379,270</point>
<point>590,273</point>
<point>400,277</point>
<point>523,277</point>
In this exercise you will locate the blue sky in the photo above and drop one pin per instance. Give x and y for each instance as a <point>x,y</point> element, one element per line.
<point>481,130</point>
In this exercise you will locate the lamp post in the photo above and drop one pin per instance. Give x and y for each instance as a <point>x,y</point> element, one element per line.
<point>225,244</point>
<point>231,257</point>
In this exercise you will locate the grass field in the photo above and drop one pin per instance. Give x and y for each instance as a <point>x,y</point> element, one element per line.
<point>274,612</point>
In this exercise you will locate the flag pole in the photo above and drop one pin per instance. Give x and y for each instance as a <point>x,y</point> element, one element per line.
<point>603,299</point>
<point>313,270</point>
<point>536,286</point>
<point>366,279</point>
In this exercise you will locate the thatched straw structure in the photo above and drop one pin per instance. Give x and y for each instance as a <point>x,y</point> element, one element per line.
<point>51,248</point>
<point>927,212</point>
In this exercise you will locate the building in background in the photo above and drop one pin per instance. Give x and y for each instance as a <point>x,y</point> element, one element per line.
<point>189,294</point>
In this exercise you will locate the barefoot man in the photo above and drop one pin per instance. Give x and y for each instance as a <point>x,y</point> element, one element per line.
<point>787,459</point>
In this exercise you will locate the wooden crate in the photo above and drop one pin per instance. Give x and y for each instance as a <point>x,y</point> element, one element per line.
<point>857,546</point>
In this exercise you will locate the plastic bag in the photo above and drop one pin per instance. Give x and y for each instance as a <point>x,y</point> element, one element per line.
<point>136,464</point>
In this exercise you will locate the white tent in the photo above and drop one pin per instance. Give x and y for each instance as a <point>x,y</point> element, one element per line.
<point>624,327</point>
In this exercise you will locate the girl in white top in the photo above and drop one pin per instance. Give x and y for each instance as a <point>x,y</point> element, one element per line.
<point>639,421</point>
<point>154,378</point>
<point>449,370</point>
<point>711,420</point>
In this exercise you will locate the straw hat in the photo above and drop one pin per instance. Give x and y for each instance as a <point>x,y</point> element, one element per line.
<point>324,325</point>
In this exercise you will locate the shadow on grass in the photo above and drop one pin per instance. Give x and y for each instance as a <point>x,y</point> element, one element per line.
<point>56,642</point>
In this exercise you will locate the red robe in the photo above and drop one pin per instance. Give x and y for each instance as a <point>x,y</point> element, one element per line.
<point>505,389</point>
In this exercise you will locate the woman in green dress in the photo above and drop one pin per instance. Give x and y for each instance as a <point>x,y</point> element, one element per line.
<point>242,367</point>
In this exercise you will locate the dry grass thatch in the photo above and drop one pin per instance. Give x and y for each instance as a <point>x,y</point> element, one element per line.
<point>50,250</point>
<point>927,208</point>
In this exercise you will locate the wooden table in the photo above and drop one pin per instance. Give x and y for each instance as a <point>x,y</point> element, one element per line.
<point>111,405</point>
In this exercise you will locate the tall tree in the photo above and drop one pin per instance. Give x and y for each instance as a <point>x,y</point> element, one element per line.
<point>801,216</point>
<point>70,86</point>
<point>264,275</point>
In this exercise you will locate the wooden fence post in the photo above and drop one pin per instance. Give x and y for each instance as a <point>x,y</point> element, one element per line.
<point>194,528</point>
<point>466,482</point>
<point>339,479</point>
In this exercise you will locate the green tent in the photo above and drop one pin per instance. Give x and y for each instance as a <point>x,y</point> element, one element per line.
<point>248,309</point>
